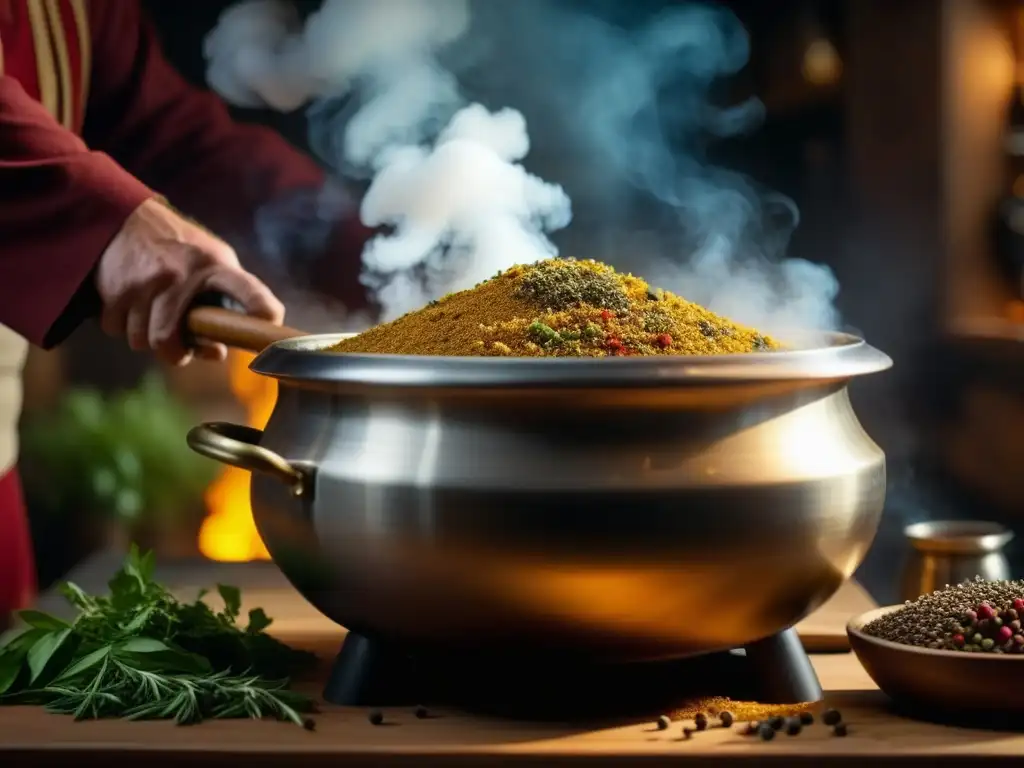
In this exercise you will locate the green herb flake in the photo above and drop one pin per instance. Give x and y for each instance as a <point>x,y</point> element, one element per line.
<point>561,284</point>
<point>544,334</point>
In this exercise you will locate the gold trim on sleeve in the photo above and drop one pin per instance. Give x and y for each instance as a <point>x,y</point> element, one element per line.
<point>67,86</point>
<point>45,66</point>
<point>81,15</point>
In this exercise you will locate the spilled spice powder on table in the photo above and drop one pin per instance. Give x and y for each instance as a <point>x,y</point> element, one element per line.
<point>741,710</point>
<point>560,308</point>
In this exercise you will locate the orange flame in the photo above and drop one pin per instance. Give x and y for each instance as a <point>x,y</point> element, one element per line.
<point>228,532</point>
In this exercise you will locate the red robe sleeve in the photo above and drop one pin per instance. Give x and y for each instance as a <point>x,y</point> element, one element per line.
<point>182,141</point>
<point>60,206</point>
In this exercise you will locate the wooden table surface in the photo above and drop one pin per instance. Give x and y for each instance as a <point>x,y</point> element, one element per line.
<point>30,737</point>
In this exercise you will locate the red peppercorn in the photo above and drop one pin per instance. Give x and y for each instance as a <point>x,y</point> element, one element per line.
<point>607,314</point>
<point>1018,640</point>
<point>985,611</point>
<point>664,340</point>
<point>958,641</point>
<point>1018,605</point>
<point>1003,635</point>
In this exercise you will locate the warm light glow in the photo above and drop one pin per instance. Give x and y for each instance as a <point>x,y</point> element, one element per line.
<point>228,533</point>
<point>1019,43</point>
<point>822,65</point>
<point>1015,312</point>
<point>1018,186</point>
<point>988,63</point>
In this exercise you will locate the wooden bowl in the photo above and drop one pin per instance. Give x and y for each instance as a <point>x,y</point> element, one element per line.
<point>941,684</point>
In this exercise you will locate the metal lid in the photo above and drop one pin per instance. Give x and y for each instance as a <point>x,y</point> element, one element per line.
<point>842,356</point>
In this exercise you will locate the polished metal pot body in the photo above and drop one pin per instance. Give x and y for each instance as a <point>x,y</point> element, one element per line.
<point>620,514</point>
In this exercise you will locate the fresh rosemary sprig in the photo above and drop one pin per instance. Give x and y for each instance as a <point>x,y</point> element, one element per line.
<point>140,654</point>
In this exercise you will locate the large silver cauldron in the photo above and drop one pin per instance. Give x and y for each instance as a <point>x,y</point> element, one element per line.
<point>618,509</point>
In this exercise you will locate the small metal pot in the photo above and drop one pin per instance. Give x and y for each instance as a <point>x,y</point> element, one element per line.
<point>619,509</point>
<point>952,551</point>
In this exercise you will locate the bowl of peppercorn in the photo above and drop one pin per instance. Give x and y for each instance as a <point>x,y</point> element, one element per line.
<point>926,654</point>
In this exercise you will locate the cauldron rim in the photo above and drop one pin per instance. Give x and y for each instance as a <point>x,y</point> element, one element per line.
<point>305,358</point>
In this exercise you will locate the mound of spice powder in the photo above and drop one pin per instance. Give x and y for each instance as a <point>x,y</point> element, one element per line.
<point>974,617</point>
<point>747,711</point>
<point>559,308</point>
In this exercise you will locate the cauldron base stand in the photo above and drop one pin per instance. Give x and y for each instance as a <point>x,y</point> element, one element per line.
<point>369,673</point>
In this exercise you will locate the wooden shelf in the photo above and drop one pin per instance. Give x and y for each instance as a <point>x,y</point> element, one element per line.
<point>989,350</point>
<point>987,329</point>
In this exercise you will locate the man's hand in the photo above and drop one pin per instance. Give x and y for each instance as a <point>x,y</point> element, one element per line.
<point>153,269</point>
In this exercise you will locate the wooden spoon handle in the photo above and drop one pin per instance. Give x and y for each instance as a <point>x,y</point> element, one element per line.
<point>215,317</point>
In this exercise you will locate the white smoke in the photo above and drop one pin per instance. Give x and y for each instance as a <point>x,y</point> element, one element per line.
<point>459,204</point>
<point>448,186</point>
<point>632,105</point>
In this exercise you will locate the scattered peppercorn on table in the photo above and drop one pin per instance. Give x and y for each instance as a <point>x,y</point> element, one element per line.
<point>866,728</point>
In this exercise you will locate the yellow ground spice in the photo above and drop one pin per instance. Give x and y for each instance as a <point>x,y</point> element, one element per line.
<point>560,308</point>
<point>742,711</point>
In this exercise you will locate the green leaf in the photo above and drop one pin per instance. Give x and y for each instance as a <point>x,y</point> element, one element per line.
<point>139,622</point>
<point>9,637</point>
<point>128,464</point>
<point>258,621</point>
<point>103,483</point>
<point>24,639</point>
<point>232,598</point>
<point>147,566</point>
<point>142,645</point>
<point>125,591</point>
<point>75,595</point>
<point>43,651</point>
<point>173,662</point>
<point>139,566</point>
<point>11,664</point>
<point>152,654</point>
<point>129,504</point>
<point>83,665</point>
<point>40,620</point>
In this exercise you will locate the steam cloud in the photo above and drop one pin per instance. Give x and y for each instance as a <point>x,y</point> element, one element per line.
<point>447,179</point>
<point>460,203</point>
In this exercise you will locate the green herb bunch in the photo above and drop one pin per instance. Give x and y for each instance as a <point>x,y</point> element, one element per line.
<point>139,653</point>
<point>125,454</point>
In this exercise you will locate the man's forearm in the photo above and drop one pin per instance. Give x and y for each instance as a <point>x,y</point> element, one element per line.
<point>60,206</point>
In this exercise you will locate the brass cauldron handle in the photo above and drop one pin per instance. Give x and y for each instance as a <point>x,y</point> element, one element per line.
<point>238,446</point>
